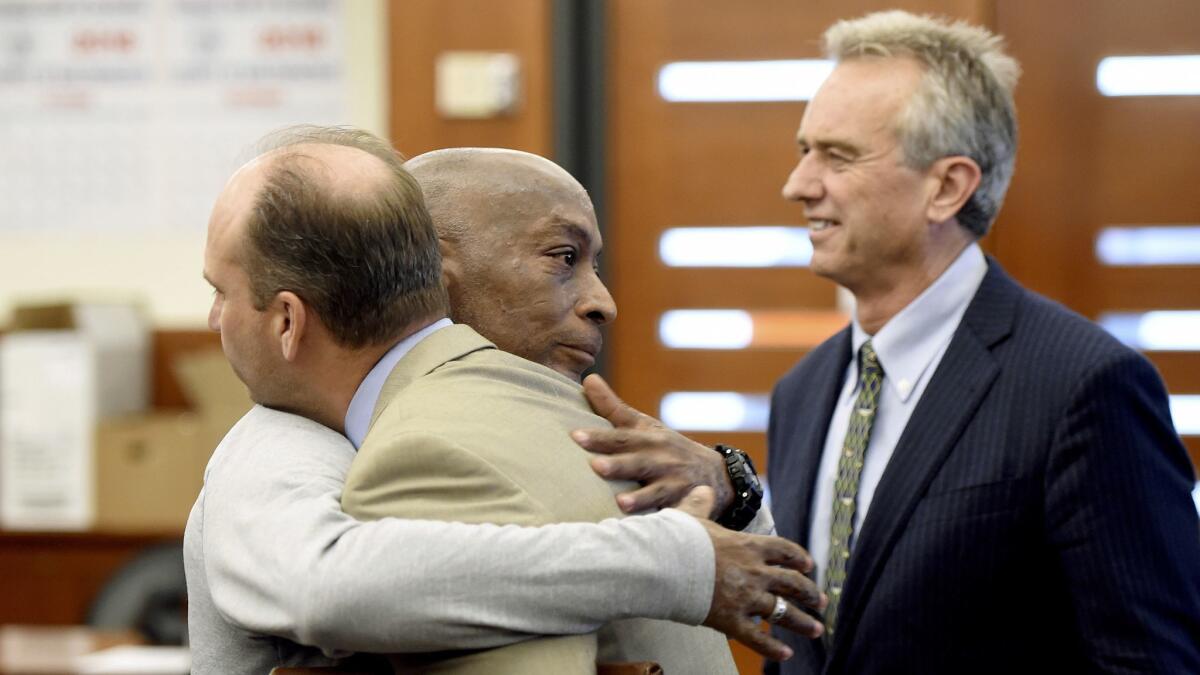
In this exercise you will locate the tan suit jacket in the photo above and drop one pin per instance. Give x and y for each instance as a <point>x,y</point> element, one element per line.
<point>465,432</point>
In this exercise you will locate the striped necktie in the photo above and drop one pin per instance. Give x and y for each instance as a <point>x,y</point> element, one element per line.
<point>845,487</point>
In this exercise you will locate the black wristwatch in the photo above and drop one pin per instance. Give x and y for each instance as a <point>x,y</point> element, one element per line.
<point>747,490</point>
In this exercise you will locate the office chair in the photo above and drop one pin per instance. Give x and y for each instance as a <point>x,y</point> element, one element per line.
<point>147,594</point>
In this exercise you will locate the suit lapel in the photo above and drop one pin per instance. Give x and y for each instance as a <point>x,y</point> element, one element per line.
<point>437,349</point>
<point>954,394</point>
<point>810,440</point>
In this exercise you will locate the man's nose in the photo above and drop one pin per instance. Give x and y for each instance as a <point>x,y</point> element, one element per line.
<point>803,183</point>
<point>596,303</point>
<point>214,316</point>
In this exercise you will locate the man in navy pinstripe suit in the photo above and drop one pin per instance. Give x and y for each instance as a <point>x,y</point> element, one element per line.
<point>1016,499</point>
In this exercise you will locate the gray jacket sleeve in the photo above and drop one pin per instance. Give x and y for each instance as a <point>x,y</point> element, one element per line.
<point>281,558</point>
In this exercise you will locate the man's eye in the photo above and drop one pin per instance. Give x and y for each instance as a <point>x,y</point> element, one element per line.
<point>568,257</point>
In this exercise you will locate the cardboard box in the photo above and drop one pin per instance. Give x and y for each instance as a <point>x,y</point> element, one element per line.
<point>150,468</point>
<point>63,367</point>
<point>120,340</point>
<point>78,449</point>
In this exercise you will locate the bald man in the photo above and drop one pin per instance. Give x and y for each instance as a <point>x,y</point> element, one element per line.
<point>520,255</point>
<point>278,575</point>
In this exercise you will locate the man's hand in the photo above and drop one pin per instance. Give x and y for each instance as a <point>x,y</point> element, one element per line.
<point>751,570</point>
<point>667,464</point>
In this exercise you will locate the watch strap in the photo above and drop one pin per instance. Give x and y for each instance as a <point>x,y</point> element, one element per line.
<point>747,491</point>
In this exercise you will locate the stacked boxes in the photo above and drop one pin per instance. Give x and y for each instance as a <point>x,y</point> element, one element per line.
<point>79,449</point>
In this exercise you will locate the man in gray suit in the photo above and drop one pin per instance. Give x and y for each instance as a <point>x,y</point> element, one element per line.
<point>272,568</point>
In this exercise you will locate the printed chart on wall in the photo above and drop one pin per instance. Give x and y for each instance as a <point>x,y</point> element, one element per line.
<point>129,115</point>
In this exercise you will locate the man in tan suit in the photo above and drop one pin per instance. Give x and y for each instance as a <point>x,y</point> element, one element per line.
<point>466,432</point>
<point>462,431</point>
<point>296,241</point>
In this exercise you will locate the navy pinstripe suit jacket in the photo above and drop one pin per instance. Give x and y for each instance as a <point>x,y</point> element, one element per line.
<point>1036,515</point>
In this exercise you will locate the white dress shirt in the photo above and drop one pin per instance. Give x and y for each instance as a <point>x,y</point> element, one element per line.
<point>910,347</point>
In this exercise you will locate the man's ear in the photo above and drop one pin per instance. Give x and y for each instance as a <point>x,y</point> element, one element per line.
<point>451,269</point>
<point>289,322</point>
<point>955,180</point>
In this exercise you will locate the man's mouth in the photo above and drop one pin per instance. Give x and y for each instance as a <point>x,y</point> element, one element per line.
<point>586,351</point>
<point>819,224</point>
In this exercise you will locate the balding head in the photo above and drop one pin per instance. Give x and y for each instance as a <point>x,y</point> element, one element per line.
<point>331,214</point>
<point>519,247</point>
<point>340,172</point>
<point>467,188</point>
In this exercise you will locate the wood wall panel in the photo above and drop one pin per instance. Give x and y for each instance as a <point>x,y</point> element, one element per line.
<point>1145,288</point>
<point>1044,235</point>
<point>1180,370</point>
<point>1085,160</point>
<point>52,578</point>
<point>755,444</point>
<point>740,370</point>
<point>700,288</point>
<point>422,29</point>
<point>1138,150</point>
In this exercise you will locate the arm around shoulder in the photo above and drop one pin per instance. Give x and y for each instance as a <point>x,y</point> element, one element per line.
<point>398,585</point>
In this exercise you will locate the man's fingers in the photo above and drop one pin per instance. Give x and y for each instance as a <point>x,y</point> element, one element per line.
<point>796,587</point>
<point>607,404</point>
<point>613,441</point>
<point>653,496</point>
<point>698,503</point>
<point>779,551</point>
<point>748,633</point>
<point>633,466</point>
<point>801,623</point>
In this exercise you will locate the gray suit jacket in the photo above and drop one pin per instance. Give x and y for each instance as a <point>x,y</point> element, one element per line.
<point>465,432</point>
<point>273,564</point>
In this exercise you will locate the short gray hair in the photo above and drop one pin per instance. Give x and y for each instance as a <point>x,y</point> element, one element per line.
<point>963,106</point>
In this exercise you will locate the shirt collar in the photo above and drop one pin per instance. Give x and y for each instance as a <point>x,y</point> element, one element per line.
<point>362,406</point>
<point>911,340</point>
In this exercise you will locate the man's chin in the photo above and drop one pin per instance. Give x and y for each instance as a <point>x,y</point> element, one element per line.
<point>823,267</point>
<point>573,362</point>
<point>572,372</point>
<point>267,399</point>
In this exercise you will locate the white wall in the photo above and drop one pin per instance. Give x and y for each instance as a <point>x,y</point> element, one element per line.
<point>163,271</point>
